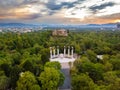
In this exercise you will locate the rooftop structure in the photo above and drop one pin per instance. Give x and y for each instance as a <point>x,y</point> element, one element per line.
<point>61,32</point>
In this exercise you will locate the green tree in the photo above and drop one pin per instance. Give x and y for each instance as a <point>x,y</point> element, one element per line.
<point>4,82</point>
<point>115,85</point>
<point>16,57</point>
<point>6,68</point>
<point>26,81</point>
<point>107,50</point>
<point>50,79</point>
<point>105,59</point>
<point>108,66</point>
<point>54,64</point>
<point>95,71</point>
<point>116,63</point>
<point>45,55</point>
<point>14,75</point>
<point>112,80</point>
<point>82,82</point>
<point>91,56</point>
<point>28,66</point>
<point>35,87</point>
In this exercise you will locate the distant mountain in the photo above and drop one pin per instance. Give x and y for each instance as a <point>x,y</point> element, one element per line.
<point>20,25</point>
<point>93,24</point>
<point>103,25</point>
<point>16,25</point>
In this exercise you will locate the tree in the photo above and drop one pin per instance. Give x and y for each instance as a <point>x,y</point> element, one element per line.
<point>116,63</point>
<point>82,82</point>
<point>26,81</point>
<point>14,75</point>
<point>35,87</point>
<point>4,82</point>
<point>91,56</point>
<point>108,66</point>
<point>36,49</point>
<point>50,79</point>
<point>112,80</point>
<point>105,59</point>
<point>95,71</point>
<point>107,50</point>
<point>6,68</point>
<point>16,58</point>
<point>28,66</point>
<point>77,49</point>
<point>38,69</point>
<point>115,85</point>
<point>45,55</point>
<point>110,77</point>
<point>54,64</point>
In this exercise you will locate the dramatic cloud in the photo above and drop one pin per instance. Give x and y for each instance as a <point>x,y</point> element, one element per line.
<point>60,11</point>
<point>102,6</point>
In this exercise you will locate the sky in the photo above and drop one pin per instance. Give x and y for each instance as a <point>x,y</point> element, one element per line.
<point>60,11</point>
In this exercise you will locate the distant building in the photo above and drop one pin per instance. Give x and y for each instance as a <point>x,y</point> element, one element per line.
<point>61,32</point>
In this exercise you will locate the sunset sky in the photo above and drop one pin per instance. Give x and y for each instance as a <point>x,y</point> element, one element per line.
<point>60,11</point>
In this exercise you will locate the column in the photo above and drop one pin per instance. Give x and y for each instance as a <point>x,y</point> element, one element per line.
<point>68,51</point>
<point>72,52</point>
<point>54,52</point>
<point>64,51</point>
<point>50,52</point>
<point>57,50</point>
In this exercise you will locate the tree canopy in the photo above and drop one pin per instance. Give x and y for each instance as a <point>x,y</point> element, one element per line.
<point>29,53</point>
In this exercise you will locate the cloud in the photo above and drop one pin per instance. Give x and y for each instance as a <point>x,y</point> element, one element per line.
<point>108,11</point>
<point>19,16</point>
<point>95,8</point>
<point>60,11</point>
<point>112,16</point>
<point>8,4</point>
<point>54,6</point>
<point>31,16</point>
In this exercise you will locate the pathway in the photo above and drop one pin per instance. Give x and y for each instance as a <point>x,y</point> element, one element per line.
<point>67,82</point>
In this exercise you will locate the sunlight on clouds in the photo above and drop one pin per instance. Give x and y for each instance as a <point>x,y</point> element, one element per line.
<point>44,1</point>
<point>117,20</point>
<point>109,11</point>
<point>81,14</point>
<point>61,11</point>
<point>89,3</point>
<point>27,9</point>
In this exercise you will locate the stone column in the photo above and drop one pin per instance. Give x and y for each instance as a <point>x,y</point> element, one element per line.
<point>57,50</point>
<point>64,51</point>
<point>68,51</point>
<point>50,52</point>
<point>72,52</point>
<point>54,52</point>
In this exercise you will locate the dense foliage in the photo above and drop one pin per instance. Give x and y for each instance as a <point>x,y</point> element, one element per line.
<point>25,58</point>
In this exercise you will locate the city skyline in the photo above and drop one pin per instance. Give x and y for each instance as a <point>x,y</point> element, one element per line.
<point>60,11</point>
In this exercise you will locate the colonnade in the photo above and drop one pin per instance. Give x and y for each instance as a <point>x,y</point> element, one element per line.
<point>55,52</point>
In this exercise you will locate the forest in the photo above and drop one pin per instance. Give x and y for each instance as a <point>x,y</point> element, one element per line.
<point>24,60</point>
